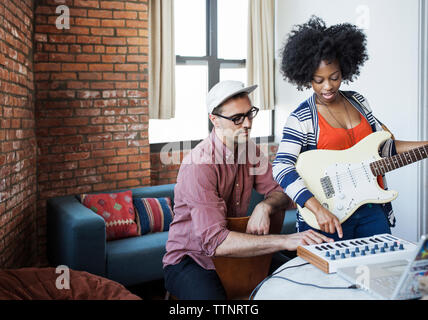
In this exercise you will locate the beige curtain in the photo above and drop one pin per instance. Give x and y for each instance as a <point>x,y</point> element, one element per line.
<point>161,59</point>
<point>260,54</point>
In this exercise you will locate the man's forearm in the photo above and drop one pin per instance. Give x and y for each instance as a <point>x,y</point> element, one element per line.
<point>241,245</point>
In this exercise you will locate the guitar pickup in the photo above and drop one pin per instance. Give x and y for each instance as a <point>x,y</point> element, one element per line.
<point>327,187</point>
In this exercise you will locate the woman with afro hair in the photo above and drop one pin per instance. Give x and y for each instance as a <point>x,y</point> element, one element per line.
<point>322,58</point>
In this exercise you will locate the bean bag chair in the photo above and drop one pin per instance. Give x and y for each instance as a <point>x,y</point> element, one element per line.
<point>59,284</point>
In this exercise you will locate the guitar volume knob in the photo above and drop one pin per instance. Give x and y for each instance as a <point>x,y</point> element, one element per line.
<point>339,206</point>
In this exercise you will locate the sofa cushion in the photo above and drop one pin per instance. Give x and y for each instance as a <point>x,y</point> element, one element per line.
<point>135,260</point>
<point>117,209</point>
<point>155,214</point>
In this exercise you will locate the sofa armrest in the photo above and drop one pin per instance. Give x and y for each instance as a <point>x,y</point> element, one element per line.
<point>76,236</point>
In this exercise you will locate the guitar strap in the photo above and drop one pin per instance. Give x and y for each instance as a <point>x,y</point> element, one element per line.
<point>384,127</point>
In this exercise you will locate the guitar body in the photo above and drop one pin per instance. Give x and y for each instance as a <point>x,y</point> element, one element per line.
<point>342,181</point>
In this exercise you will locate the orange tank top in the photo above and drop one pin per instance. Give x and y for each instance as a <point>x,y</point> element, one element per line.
<point>331,138</point>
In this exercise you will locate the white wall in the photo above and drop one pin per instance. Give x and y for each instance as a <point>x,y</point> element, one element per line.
<point>389,79</point>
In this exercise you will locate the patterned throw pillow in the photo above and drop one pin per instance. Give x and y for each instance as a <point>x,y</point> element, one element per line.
<point>117,210</point>
<point>155,214</point>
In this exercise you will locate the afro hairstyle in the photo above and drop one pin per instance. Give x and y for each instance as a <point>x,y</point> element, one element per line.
<point>312,42</point>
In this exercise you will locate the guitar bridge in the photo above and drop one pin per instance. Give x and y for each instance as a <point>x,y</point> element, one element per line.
<point>327,187</point>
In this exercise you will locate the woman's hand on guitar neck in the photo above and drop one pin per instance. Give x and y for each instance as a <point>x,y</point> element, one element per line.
<point>327,221</point>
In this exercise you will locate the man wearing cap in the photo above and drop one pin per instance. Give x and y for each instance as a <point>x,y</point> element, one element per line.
<point>215,181</point>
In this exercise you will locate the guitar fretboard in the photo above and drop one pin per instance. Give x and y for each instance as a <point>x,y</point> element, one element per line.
<point>399,160</point>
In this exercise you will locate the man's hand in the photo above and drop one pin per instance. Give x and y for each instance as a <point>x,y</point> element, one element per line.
<point>259,221</point>
<point>304,238</point>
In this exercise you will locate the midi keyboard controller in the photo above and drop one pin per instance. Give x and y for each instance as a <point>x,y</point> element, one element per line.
<point>361,251</point>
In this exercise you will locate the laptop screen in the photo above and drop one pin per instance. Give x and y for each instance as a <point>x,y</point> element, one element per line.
<point>408,288</point>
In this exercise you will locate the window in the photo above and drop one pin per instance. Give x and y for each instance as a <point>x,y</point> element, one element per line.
<point>210,45</point>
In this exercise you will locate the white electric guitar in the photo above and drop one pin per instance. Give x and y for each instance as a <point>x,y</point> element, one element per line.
<point>344,180</point>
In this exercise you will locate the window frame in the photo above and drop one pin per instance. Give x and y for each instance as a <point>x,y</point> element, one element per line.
<point>214,64</point>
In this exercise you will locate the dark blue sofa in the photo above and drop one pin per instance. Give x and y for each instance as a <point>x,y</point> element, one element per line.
<point>76,238</point>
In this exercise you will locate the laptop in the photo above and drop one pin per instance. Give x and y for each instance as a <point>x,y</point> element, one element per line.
<point>395,280</point>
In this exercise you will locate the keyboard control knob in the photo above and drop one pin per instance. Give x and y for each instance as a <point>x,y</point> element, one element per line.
<point>341,196</point>
<point>339,207</point>
<point>373,251</point>
<point>342,256</point>
<point>327,254</point>
<point>352,254</point>
<point>333,257</point>
<point>382,249</point>
<point>392,248</point>
<point>357,249</point>
<point>401,247</point>
<point>363,253</point>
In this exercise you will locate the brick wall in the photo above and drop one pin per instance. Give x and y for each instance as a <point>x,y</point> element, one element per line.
<point>91,99</point>
<point>17,135</point>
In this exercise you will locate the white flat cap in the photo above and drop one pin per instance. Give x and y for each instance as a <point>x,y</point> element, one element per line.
<point>225,90</point>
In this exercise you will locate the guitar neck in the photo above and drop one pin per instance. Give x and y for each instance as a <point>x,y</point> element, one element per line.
<point>399,160</point>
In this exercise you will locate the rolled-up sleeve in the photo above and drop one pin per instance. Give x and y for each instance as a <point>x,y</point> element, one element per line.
<point>208,211</point>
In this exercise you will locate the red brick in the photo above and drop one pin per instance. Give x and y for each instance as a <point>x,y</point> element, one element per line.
<point>127,32</point>
<point>129,183</point>
<point>74,67</point>
<point>102,31</point>
<point>101,67</point>
<point>125,15</point>
<point>114,76</point>
<point>137,58</point>
<point>76,121</point>
<point>62,38</point>
<point>100,14</point>
<point>61,57</point>
<point>89,22</point>
<point>126,67</point>
<point>115,176</point>
<point>115,160</point>
<point>114,41</point>
<point>113,58</point>
<point>112,5</point>
<point>89,39</point>
<point>47,67</point>
<point>88,58</point>
<point>136,6</point>
<point>86,3</point>
<point>112,23</point>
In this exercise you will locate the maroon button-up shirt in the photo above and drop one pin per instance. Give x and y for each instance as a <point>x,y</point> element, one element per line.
<point>213,183</point>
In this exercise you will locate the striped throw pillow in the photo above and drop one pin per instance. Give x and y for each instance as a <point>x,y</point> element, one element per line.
<point>155,214</point>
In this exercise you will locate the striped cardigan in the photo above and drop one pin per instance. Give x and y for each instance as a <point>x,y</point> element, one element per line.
<point>301,133</point>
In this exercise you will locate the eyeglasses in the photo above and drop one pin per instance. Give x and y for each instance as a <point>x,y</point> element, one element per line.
<point>240,117</point>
